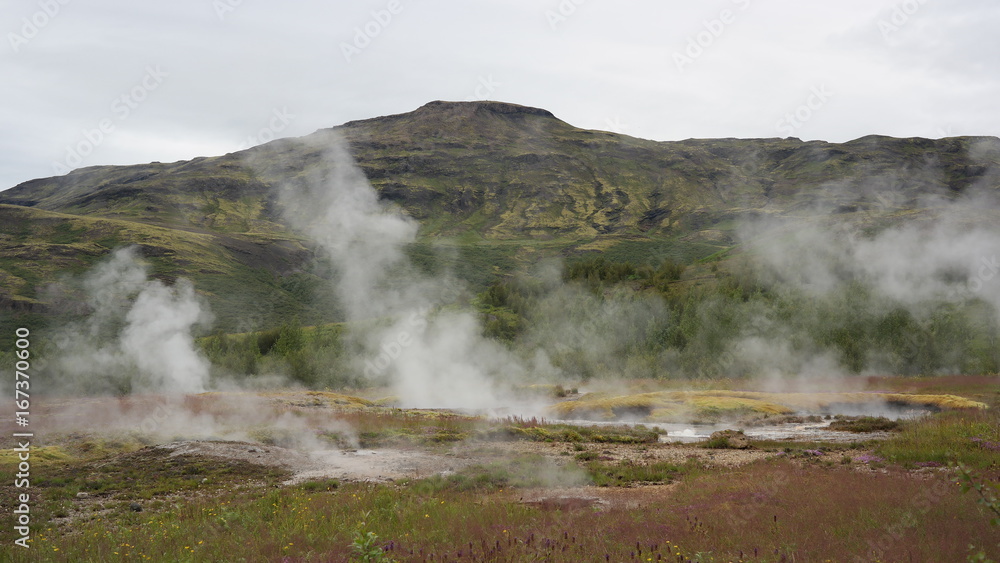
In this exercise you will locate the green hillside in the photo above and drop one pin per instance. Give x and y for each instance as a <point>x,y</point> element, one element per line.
<point>501,185</point>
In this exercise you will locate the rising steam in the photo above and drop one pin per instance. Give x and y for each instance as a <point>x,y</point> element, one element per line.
<point>943,258</point>
<point>434,357</point>
<point>137,336</point>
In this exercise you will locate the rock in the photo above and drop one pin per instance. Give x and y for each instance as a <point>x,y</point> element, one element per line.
<point>135,507</point>
<point>82,495</point>
<point>735,439</point>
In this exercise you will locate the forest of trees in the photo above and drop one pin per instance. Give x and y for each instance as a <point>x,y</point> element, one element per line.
<point>614,319</point>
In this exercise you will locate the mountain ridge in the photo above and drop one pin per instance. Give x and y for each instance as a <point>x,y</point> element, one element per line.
<point>506,184</point>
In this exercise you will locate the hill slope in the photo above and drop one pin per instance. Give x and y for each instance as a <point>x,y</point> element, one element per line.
<point>501,183</point>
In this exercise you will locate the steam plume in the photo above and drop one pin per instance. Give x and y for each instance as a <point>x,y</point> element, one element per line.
<point>433,357</point>
<point>137,336</point>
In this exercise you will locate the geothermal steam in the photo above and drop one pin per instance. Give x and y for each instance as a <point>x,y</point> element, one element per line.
<point>946,253</point>
<point>434,357</point>
<point>137,337</point>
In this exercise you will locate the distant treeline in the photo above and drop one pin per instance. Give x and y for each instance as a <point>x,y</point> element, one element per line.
<point>735,323</point>
<point>603,318</point>
<point>615,319</point>
<point>598,270</point>
<point>310,356</point>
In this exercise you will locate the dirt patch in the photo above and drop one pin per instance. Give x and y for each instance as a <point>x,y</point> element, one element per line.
<point>391,464</point>
<point>381,465</point>
<point>593,498</point>
<point>271,456</point>
<point>378,465</point>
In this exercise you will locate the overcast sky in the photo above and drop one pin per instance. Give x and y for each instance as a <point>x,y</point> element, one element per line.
<point>102,82</point>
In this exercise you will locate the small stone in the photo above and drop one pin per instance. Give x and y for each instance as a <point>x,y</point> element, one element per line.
<point>82,495</point>
<point>135,507</point>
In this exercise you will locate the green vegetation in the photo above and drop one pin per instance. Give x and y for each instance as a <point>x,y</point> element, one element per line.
<point>695,323</point>
<point>968,437</point>
<point>760,512</point>
<point>652,286</point>
<point>865,424</point>
<point>104,497</point>
<point>518,472</point>
<point>629,473</point>
<point>598,271</point>
<point>498,188</point>
<point>534,430</point>
<point>712,406</point>
<point>309,356</point>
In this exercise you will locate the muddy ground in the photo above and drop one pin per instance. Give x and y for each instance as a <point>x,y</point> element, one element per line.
<point>391,464</point>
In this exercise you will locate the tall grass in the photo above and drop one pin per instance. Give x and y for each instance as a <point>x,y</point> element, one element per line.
<point>762,512</point>
<point>971,437</point>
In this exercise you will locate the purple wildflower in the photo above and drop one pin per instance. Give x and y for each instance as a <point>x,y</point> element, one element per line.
<point>986,444</point>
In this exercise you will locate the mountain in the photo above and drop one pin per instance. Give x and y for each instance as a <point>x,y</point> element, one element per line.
<point>502,184</point>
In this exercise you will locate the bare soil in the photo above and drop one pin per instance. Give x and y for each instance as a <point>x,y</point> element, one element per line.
<point>390,464</point>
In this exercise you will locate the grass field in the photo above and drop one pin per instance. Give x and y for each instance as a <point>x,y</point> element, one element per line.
<point>516,489</point>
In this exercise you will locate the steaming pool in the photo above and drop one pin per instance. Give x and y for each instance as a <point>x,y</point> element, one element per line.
<point>811,430</point>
